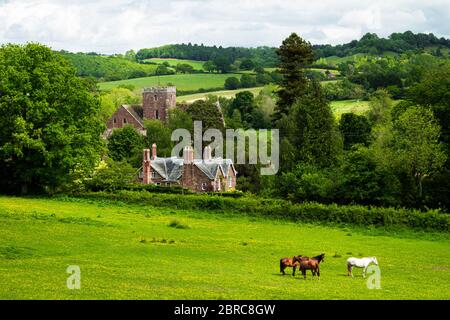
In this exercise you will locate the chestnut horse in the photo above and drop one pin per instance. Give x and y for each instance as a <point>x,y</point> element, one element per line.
<point>289,262</point>
<point>305,263</point>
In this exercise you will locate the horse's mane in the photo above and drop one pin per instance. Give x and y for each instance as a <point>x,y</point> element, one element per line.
<point>319,257</point>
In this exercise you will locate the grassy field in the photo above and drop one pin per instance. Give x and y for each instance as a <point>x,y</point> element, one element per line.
<point>222,93</point>
<point>183,82</point>
<point>349,106</point>
<point>197,65</point>
<point>138,252</point>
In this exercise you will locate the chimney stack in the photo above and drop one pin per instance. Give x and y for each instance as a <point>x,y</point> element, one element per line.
<point>207,154</point>
<point>146,168</point>
<point>154,151</point>
<point>188,155</point>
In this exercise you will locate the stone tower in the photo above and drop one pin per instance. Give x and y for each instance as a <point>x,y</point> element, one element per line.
<point>157,101</point>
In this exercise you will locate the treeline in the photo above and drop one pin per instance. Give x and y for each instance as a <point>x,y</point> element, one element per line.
<point>108,68</point>
<point>370,43</point>
<point>264,56</point>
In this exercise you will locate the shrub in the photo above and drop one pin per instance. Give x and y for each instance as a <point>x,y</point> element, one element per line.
<point>282,209</point>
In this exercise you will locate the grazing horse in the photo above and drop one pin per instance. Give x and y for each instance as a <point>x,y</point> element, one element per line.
<point>288,262</point>
<point>360,263</point>
<point>312,264</point>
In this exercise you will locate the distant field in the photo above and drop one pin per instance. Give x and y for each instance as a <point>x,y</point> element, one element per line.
<point>197,65</point>
<point>222,93</point>
<point>349,106</point>
<point>334,60</point>
<point>183,82</point>
<point>127,251</point>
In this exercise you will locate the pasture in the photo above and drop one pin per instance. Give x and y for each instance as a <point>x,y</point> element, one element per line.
<point>197,65</point>
<point>183,82</point>
<point>349,106</point>
<point>127,251</point>
<point>222,93</point>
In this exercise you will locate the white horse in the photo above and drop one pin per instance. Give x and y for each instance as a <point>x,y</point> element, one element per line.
<point>360,263</point>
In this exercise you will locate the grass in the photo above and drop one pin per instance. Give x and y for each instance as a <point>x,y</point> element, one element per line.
<point>197,65</point>
<point>131,252</point>
<point>349,106</point>
<point>183,82</point>
<point>221,93</point>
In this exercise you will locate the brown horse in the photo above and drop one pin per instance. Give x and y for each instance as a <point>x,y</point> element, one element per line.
<point>289,262</point>
<point>305,263</point>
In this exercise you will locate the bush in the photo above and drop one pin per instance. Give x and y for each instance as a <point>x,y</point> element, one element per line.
<point>282,209</point>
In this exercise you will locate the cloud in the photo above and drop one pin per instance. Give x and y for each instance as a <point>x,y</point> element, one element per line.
<point>111,26</point>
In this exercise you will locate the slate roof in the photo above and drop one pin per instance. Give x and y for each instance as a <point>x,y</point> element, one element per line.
<point>136,112</point>
<point>171,169</point>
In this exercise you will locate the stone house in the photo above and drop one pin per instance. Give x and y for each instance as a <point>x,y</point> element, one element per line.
<point>157,101</point>
<point>199,175</point>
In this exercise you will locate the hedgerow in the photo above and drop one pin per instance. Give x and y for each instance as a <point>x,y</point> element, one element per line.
<point>283,209</point>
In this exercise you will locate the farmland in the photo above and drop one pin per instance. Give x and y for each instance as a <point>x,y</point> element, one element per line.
<point>183,82</point>
<point>127,251</point>
<point>197,65</point>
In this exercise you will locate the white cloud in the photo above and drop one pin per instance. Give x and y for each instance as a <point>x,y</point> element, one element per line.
<point>117,25</point>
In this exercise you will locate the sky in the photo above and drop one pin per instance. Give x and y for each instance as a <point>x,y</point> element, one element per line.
<point>115,26</point>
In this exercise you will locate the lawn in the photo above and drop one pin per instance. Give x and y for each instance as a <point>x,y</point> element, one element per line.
<point>136,252</point>
<point>183,82</point>
<point>349,106</point>
<point>197,65</point>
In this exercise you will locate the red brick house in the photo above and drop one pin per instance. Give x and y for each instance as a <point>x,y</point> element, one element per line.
<point>199,175</point>
<point>157,101</point>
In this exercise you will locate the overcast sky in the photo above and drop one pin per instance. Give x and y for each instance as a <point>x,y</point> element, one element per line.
<point>114,26</point>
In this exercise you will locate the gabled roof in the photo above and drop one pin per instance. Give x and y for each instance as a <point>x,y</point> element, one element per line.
<point>134,111</point>
<point>171,169</point>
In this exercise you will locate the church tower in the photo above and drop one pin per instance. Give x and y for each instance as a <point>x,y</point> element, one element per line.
<point>157,101</point>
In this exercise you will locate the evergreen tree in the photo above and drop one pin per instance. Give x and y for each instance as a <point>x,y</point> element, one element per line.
<point>295,55</point>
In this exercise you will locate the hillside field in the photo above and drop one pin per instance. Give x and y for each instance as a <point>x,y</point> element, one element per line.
<point>183,82</point>
<point>197,65</point>
<point>127,251</point>
<point>222,93</point>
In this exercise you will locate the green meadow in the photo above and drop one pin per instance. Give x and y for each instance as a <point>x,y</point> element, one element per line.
<point>349,106</point>
<point>128,251</point>
<point>183,82</point>
<point>197,65</point>
<point>222,93</point>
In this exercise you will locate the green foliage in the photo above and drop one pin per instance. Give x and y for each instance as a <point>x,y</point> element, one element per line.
<point>50,132</point>
<point>248,81</point>
<point>372,44</point>
<point>380,104</point>
<point>126,144</point>
<point>295,55</point>
<point>247,64</point>
<point>232,83</point>
<point>354,129</point>
<point>184,68</point>
<point>208,112</point>
<point>282,209</point>
<point>311,129</point>
<point>344,90</point>
<point>158,133</point>
<point>108,68</point>
<point>110,176</point>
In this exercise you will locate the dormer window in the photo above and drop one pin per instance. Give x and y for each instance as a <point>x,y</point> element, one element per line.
<point>154,176</point>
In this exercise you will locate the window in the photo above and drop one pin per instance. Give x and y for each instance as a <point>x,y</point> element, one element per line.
<point>154,175</point>
<point>155,97</point>
<point>218,184</point>
<point>115,120</point>
<point>124,120</point>
<point>230,182</point>
<point>204,186</point>
<point>158,184</point>
<point>157,114</point>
